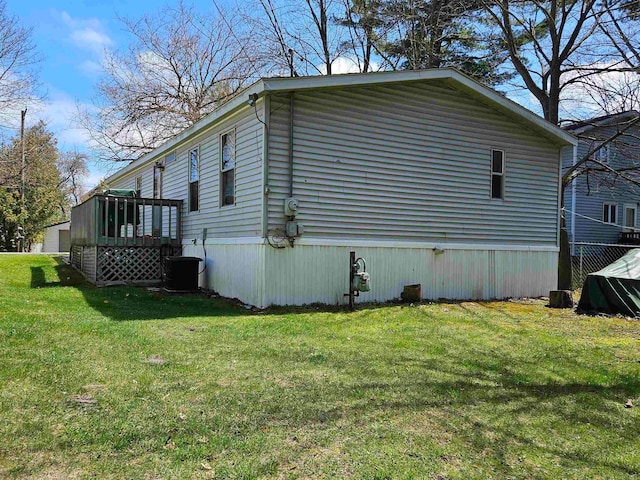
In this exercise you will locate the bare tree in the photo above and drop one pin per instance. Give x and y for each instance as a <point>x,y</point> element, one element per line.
<point>301,37</point>
<point>18,61</point>
<point>180,67</point>
<point>72,166</point>
<point>551,44</point>
<point>619,24</point>
<point>610,93</point>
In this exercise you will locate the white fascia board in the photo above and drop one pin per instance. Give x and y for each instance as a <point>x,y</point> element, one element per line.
<point>198,128</point>
<point>282,84</point>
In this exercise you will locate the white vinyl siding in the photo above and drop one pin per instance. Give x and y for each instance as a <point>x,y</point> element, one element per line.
<point>244,219</point>
<point>409,162</point>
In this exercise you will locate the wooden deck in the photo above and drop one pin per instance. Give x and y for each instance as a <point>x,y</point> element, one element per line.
<point>629,238</point>
<point>126,221</point>
<point>124,240</point>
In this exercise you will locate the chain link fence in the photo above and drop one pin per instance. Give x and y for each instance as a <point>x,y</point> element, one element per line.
<point>587,258</point>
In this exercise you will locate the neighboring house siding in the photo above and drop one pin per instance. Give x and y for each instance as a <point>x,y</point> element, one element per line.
<point>410,162</point>
<point>592,193</point>
<point>240,220</point>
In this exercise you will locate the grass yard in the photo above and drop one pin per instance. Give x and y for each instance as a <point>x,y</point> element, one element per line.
<point>124,383</point>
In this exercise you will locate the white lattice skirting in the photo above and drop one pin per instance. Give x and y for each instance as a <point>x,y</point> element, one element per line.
<point>130,264</point>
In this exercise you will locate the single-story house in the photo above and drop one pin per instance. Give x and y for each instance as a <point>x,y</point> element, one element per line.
<point>431,177</point>
<point>56,238</point>
<point>601,208</point>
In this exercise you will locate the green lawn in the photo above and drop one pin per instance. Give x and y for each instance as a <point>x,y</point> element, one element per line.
<point>124,383</point>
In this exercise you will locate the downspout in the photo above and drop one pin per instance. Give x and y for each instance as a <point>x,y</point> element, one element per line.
<point>291,238</point>
<point>573,202</point>
<point>291,144</point>
<point>265,165</point>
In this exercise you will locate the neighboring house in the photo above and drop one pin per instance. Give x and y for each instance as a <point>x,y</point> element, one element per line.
<point>56,238</point>
<point>431,177</point>
<point>600,207</point>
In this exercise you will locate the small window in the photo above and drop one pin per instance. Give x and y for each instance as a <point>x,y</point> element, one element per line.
<point>194,177</point>
<point>138,186</point>
<point>170,157</point>
<point>227,168</point>
<point>603,154</point>
<point>609,212</point>
<point>158,170</point>
<point>497,174</point>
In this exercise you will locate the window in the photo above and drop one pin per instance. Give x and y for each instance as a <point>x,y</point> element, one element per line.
<point>194,177</point>
<point>497,174</point>
<point>630,216</point>
<point>170,157</point>
<point>603,154</point>
<point>227,168</point>
<point>158,170</point>
<point>138,186</point>
<point>609,212</point>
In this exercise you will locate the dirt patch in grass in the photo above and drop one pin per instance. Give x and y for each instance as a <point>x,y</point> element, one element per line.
<point>156,360</point>
<point>83,399</point>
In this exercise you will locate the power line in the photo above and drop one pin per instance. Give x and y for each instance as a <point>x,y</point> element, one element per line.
<point>615,225</point>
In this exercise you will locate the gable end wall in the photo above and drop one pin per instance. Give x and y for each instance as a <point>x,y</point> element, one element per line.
<point>410,162</point>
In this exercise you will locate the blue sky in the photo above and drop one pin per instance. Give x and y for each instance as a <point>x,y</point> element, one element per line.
<point>71,37</point>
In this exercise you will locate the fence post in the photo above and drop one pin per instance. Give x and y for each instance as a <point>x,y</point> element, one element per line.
<point>581,257</point>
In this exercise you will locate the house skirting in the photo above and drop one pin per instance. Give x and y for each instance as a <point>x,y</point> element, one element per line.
<point>317,271</point>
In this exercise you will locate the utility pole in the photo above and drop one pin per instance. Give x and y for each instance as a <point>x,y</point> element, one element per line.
<point>23,114</point>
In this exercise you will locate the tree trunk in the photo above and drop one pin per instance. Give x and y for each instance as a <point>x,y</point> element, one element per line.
<point>564,258</point>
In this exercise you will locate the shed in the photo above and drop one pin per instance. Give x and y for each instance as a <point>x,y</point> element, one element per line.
<point>56,238</point>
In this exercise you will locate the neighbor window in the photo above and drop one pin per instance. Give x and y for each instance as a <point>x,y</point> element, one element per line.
<point>497,174</point>
<point>609,212</point>
<point>138,186</point>
<point>227,168</point>
<point>194,177</point>
<point>603,154</point>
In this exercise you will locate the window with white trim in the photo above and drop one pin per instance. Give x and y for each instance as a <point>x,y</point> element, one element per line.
<point>194,180</point>
<point>609,211</point>
<point>603,154</point>
<point>497,174</point>
<point>227,168</point>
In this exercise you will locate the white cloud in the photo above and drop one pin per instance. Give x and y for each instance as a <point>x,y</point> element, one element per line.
<point>60,113</point>
<point>85,34</point>
<point>346,65</point>
<point>90,39</point>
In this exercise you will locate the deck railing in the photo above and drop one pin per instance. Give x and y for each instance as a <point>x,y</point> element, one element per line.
<point>126,221</point>
<point>629,238</point>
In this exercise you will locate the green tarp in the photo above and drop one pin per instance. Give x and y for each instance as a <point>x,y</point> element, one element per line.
<point>120,192</point>
<point>116,218</point>
<point>615,289</point>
